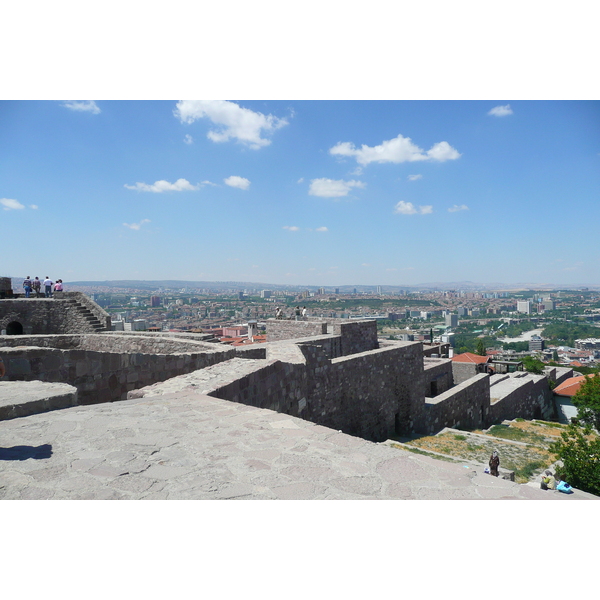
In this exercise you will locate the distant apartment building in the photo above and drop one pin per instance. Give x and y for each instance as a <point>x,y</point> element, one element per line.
<point>545,305</point>
<point>451,320</point>
<point>536,344</point>
<point>461,311</point>
<point>524,306</point>
<point>474,312</point>
<point>235,331</point>
<point>588,344</point>
<point>265,293</point>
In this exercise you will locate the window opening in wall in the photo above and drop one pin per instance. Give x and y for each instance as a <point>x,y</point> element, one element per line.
<point>434,389</point>
<point>14,328</point>
<point>397,423</point>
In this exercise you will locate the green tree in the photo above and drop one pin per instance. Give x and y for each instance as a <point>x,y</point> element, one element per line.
<point>481,347</point>
<point>555,356</point>
<point>579,452</point>
<point>587,401</point>
<point>533,365</point>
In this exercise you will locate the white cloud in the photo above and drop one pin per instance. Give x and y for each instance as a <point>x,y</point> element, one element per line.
<point>415,177</point>
<point>322,229</point>
<point>206,182</point>
<point>501,111</point>
<point>408,208</point>
<point>301,180</point>
<point>188,139</point>
<point>365,265</point>
<point>443,151</point>
<point>457,207</point>
<point>291,228</point>
<point>10,204</point>
<point>237,182</point>
<point>391,269</point>
<point>136,226</point>
<point>332,188</point>
<point>82,106</point>
<point>235,122</point>
<point>33,206</point>
<point>397,150</point>
<point>163,186</point>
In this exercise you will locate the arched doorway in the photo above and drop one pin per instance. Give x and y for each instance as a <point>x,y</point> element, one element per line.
<point>14,328</point>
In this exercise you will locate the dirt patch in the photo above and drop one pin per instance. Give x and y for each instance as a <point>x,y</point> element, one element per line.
<point>521,445</point>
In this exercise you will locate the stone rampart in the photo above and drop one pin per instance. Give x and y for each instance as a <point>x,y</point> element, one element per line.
<point>101,376</point>
<point>466,405</point>
<point>462,371</point>
<point>520,395</point>
<point>437,376</point>
<point>355,335</point>
<point>74,312</point>
<point>281,329</point>
<point>370,394</point>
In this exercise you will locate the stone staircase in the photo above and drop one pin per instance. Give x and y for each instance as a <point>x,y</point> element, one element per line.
<point>86,313</point>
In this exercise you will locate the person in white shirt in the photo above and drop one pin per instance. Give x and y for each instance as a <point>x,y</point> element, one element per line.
<point>48,287</point>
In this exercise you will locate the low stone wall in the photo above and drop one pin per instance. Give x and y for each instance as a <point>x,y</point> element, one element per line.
<point>107,342</point>
<point>356,335</point>
<point>103,376</point>
<point>437,376</point>
<point>521,395</point>
<point>371,394</point>
<point>463,371</point>
<point>467,406</point>
<point>24,398</point>
<point>280,329</point>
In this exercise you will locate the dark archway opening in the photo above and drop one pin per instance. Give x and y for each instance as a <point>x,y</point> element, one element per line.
<point>14,328</point>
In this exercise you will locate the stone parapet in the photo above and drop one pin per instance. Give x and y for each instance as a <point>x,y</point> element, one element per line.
<point>24,398</point>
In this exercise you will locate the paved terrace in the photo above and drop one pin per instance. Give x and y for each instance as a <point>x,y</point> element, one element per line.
<point>186,445</point>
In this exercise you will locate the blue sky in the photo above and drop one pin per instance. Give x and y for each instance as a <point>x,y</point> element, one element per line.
<point>302,192</point>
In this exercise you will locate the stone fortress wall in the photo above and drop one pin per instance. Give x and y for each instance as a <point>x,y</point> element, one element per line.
<point>66,312</point>
<point>331,372</point>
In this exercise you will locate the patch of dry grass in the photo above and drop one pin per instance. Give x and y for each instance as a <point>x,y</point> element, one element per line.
<point>526,459</point>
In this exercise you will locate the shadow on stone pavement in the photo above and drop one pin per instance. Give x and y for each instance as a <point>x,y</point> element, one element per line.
<point>25,452</point>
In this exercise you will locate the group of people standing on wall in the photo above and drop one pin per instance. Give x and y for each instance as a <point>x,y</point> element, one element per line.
<point>299,313</point>
<point>35,286</point>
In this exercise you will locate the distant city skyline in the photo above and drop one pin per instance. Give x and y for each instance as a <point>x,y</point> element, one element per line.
<point>302,192</point>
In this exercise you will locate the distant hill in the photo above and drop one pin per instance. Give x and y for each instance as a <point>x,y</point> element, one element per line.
<point>176,284</point>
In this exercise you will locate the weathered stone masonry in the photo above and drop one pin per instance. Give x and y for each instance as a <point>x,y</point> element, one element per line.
<point>331,372</point>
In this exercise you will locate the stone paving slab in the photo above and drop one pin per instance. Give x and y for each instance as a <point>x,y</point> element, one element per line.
<point>190,446</point>
<point>22,398</point>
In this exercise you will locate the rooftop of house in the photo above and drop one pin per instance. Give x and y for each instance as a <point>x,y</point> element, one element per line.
<point>570,386</point>
<point>469,357</point>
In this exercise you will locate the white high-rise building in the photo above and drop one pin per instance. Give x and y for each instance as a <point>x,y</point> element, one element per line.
<point>524,306</point>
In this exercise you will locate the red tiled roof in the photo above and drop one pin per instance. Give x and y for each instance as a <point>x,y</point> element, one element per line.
<point>570,386</point>
<point>469,357</point>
